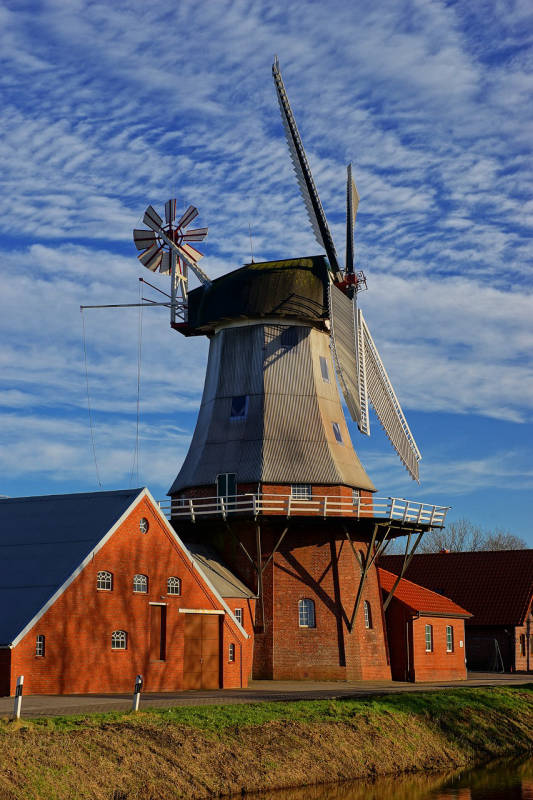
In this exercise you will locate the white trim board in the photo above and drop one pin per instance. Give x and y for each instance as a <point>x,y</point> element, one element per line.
<point>202,611</point>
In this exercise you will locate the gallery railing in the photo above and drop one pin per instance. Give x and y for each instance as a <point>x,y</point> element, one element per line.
<point>392,508</point>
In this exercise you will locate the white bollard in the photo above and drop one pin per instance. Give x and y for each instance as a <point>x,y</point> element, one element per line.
<point>18,697</point>
<point>137,693</point>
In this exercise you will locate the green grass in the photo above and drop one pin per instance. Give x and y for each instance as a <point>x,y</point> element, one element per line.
<point>447,708</point>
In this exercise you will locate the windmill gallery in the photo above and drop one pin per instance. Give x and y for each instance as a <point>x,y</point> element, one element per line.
<point>263,563</point>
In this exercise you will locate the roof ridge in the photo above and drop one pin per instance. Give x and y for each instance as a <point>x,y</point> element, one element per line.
<point>43,497</point>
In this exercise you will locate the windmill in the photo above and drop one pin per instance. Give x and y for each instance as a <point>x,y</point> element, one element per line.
<point>167,247</point>
<point>271,481</point>
<point>361,372</point>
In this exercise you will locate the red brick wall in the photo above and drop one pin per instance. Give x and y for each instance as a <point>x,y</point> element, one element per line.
<point>325,571</point>
<point>78,626</point>
<point>524,645</point>
<point>314,561</point>
<point>438,665</point>
<point>407,646</point>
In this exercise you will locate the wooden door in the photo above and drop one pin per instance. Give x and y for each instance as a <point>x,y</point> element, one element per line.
<point>158,633</point>
<point>201,657</point>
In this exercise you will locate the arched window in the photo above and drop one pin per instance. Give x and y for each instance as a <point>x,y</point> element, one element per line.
<point>306,613</point>
<point>39,645</point>
<point>368,614</point>
<point>174,585</point>
<point>119,640</point>
<point>104,580</point>
<point>140,583</point>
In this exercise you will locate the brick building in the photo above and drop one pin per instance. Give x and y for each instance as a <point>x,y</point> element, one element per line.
<point>497,588</point>
<point>97,588</point>
<point>425,631</point>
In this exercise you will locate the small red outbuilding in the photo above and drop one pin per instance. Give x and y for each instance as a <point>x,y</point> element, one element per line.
<point>97,588</point>
<point>425,631</point>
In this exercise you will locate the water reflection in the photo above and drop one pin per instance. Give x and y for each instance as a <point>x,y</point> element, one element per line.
<point>509,780</point>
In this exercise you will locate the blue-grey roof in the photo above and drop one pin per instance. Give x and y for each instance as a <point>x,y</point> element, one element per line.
<point>218,573</point>
<point>42,541</point>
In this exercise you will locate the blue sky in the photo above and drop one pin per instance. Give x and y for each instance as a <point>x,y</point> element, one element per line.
<point>110,107</point>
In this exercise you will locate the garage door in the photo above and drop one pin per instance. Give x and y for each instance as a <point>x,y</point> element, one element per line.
<point>201,660</point>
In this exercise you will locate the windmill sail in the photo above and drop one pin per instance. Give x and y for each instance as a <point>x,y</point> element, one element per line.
<point>352,203</point>
<point>344,347</point>
<point>303,172</point>
<point>385,402</point>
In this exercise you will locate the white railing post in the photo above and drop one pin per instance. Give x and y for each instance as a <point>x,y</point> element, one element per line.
<point>18,697</point>
<point>191,508</point>
<point>325,505</point>
<point>289,505</point>
<point>137,693</point>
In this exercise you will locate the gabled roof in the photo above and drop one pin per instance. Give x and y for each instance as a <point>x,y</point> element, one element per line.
<point>43,540</point>
<point>496,586</point>
<point>224,581</point>
<point>420,600</point>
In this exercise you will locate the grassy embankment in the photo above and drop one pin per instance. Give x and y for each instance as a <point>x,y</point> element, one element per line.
<point>208,751</point>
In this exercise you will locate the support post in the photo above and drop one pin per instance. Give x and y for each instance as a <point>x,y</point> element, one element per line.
<point>18,697</point>
<point>137,693</point>
<point>406,561</point>
<point>259,573</point>
<point>271,556</point>
<point>365,567</point>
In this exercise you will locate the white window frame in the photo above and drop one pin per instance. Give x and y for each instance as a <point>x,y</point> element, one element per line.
<point>40,645</point>
<point>428,634</point>
<point>231,653</point>
<point>301,491</point>
<point>119,640</point>
<point>174,583</point>
<point>306,613</point>
<point>103,576</point>
<point>238,615</point>
<point>449,639</point>
<point>368,615</point>
<point>141,579</point>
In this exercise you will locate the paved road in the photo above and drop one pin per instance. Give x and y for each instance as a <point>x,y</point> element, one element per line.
<point>257,692</point>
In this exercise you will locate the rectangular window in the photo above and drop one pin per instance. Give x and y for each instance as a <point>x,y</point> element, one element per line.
<point>289,337</point>
<point>301,491</point>
<point>429,638</point>
<point>231,653</point>
<point>239,406</point>
<point>449,639</point>
<point>39,645</point>
<point>238,615</point>
<point>227,484</point>
<point>324,369</point>
<point>522,644</point>
<point>337,432</point>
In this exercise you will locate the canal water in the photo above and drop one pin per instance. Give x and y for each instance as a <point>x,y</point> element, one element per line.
<point>503,780</point>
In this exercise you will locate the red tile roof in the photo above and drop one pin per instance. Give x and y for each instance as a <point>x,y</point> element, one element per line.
<point>496,586</point>
<point>418,599</point>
